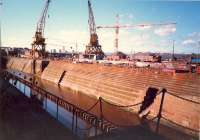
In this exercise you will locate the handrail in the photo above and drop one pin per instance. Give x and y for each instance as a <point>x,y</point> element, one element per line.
<point>90,118</point>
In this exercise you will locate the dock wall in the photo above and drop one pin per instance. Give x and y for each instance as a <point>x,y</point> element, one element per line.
<point>126,86</point>
<point>23,64</point>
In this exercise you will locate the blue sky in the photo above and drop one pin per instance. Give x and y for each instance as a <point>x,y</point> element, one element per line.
<point>67,24</point>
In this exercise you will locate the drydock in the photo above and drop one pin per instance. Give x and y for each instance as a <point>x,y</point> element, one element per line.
<point>95,95</point>
<point>118,88</point>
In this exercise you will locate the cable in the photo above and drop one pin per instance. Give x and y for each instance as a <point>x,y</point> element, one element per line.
<point>89,109</point>
<point>183,98</point>
<point>180,125</point>
<point>121,105</point>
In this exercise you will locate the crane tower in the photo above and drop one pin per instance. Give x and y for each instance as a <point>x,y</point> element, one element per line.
<point>93,48</point>
<point>38,45</point>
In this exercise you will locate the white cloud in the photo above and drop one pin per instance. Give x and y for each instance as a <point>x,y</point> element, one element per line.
<point>195,35</point>
<point>128,40</point>
<point>192,39</point>
<point>67,38</point>
<point>17,42</point>
<point>130,16</point>
<point>165,30</point>
<point>188,41</point>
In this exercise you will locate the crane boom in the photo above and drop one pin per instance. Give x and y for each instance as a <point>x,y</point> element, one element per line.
<point>117,26</point>
<point>137,25</point>
<point>91,20</point>
<point>38,45</point>
<point>42,20</point>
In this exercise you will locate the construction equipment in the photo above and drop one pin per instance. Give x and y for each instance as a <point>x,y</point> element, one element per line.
<point>93,48</point>
<point>38,45</point>
<point>117,26</point>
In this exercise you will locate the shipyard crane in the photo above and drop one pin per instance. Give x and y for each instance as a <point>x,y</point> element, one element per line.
<point>117,26</point>
<point>38,45</point>
<point>93,48</point>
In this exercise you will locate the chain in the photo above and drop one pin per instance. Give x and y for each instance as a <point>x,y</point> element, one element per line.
<point>121,105</point>
<point>183,98</point>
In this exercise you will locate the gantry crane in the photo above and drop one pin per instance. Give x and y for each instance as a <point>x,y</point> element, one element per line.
<point>93,48</point>
<point>38,45</point>
<point>117,26</point>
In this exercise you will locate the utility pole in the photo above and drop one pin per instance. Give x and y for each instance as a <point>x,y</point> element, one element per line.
<point>199,49</point>
<point>173,51</point>
<point>76,47</point>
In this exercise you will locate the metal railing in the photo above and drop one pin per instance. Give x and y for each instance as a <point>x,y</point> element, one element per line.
<point>93,120</point>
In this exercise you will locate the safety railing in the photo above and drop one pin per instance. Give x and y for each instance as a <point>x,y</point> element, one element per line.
<point>93,120</point>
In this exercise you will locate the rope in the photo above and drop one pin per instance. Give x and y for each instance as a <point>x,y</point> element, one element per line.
<point>89,109</point>
<point>183,98</point>
<point>121,106</point>
<point>180,125</point>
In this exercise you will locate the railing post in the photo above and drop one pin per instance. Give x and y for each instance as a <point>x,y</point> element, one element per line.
<point>73,120</point>
<point>46,101</point>
<point>24,88</point>
<point>12,81</point>
<point>76,122</point>
<point>57,108</point>
<point>160,110</point>
<point>101,109</point>
<point>96,124</point>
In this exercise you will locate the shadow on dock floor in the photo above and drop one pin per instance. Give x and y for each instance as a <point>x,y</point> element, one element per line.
<point>23,119</point>
<point>134,133</point>
<point>144,133</point>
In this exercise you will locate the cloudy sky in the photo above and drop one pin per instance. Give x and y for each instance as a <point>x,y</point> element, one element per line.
<point>67,24</point>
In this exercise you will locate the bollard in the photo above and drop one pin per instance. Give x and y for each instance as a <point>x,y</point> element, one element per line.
<point>160,110</point>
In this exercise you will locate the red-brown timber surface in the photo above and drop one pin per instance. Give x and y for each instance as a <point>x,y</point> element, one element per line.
<point>126,86</point>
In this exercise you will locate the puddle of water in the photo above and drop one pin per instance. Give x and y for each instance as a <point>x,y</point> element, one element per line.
<point>65,117</point>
